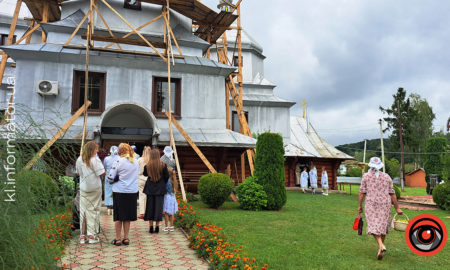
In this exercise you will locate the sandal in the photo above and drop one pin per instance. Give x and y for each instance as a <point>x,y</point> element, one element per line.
<point>116,242</point>
<point>126,241</point>
<point>380,254</point>
<point>83,239</point>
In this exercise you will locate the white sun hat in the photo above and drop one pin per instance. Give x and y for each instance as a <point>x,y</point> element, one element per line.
<point>376,163</point>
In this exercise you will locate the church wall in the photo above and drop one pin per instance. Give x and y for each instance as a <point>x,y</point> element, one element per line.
<point>202,95</point>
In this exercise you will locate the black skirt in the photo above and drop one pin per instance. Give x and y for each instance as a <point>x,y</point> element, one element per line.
<point>154,207</point>
<point>125,206</point>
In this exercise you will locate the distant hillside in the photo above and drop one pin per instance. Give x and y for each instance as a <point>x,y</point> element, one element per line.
<point>373,147</point>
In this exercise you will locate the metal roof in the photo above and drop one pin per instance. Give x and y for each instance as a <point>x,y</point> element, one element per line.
<point>265,100</point>
<point>190,64</point>
<point>209,137</point>
<point>306,142</point>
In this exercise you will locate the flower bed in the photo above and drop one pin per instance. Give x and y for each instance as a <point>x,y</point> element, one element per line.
<point>51,235</point>
<point>210,242</point>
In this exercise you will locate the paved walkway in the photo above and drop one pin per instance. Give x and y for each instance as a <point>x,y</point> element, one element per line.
<point>146,251</point>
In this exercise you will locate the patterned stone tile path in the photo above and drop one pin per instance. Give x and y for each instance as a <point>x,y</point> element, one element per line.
<point>165,250</point>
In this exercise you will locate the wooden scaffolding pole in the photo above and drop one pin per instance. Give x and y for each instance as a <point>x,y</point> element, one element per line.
<point>78,28</point>
<point>192,144</point>
<point>12,29</point>
<point>57,135</point>
<point>239,77</point>
<point>44,20</point>
<point>28,34</point>
<point>90,31</point>
<point>134,29</point>
<point>169,116</point>
<point>107,26</point>
<point>33,22</point>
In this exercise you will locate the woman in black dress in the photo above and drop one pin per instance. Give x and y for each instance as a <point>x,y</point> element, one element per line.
<point>155,189</point>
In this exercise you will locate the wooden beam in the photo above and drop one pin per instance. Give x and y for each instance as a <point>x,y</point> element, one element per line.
<point>192,144</point>
<point>117,51</point>
<point>78,28</point>
<point>130,41</point>
<point>27,35</point>
<point>173,36</point>
<point>44,20</point>
<point>134,29</point>
<point>57,135</point>
<point>107,27</point>
<point>139,28</point>
<point>12,29</point>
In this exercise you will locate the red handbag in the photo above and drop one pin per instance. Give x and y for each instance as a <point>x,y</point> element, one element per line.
<point>356,223</point>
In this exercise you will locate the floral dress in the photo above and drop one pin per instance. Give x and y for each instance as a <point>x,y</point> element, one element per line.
<point>378,201</point>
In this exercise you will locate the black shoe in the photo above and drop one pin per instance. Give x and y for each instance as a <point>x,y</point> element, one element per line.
<point>151,229</point>
<point>157,229</point>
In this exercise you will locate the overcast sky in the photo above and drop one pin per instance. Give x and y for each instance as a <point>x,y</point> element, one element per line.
<point>347,57</point>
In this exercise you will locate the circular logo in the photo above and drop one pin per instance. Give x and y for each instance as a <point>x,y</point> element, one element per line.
<point>426,235</point>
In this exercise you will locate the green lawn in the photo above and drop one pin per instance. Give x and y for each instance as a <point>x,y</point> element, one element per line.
<point>315,232</point>
<point>409,191</point>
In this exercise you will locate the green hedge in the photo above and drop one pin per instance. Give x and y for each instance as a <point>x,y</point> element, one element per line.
<point>269,169</point>
<point>251,195</point>
<point>441,196</point>
<point>37,189</point>
<point>433,163</point>
<point>214,189</point>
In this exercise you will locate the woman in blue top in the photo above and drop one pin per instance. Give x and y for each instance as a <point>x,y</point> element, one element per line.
<point>324,181</point>
<point>304,180</point>
<point>108,162</point>
<point>170,206</point>
<point>125,192</point>
<point>313,179</point>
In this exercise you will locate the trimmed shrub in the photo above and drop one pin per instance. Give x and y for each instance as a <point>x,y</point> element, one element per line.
<point>269,169</point>
<point>214,189</point>
<point>441,196</point>
<point>38,189</point>
<point>398,191</point>
<point>433,164</point>
<point>251,195</point>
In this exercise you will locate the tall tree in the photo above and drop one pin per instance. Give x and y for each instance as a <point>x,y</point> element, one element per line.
<point>421,127</point>
<point>417,123</point>
<point>391,119</point>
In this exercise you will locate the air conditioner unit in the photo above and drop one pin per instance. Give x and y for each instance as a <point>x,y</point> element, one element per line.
<point>47,88</point>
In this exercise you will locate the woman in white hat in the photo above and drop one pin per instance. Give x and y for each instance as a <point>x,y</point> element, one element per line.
<point>378,190</point>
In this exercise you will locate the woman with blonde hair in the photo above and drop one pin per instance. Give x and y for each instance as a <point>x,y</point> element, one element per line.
<point>142,180</point>
<point>90,168</point>
<point>124,176</point>
<point>155,189</point>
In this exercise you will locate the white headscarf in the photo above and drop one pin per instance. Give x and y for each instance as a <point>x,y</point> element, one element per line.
<point>114,150</point>
<point>168,152</point>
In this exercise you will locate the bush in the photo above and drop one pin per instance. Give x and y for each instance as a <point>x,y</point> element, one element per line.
<point>251,195</point>
<point>441,196</point>
<point>354,171</point>
<point>67,186</point>
<point>214,189</point>
<point>397,191</point>
<point>269,169</point>
<point>191,197</point>
<point>393,167</point>
<point>37,189</point>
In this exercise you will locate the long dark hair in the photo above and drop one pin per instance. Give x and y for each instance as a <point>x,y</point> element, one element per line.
<point>154,166</point>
